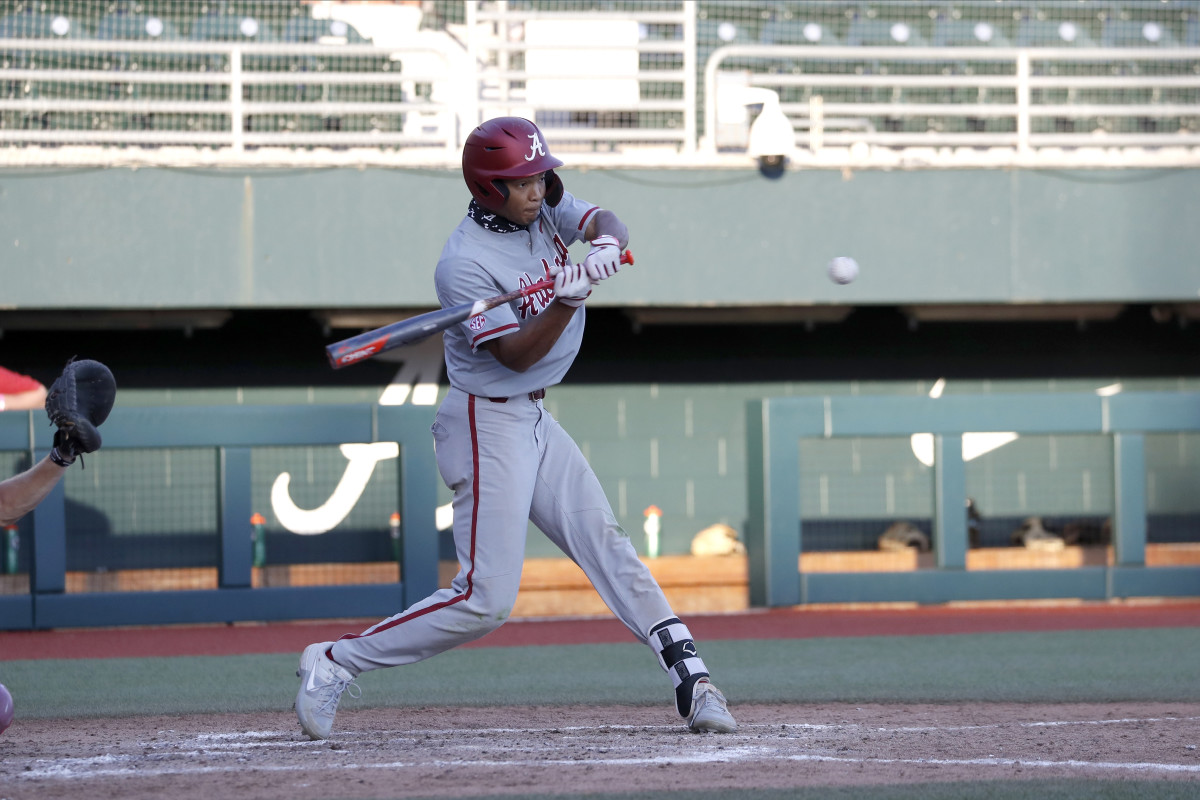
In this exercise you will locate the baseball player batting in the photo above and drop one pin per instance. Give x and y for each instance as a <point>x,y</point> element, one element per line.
<point>507,460</point>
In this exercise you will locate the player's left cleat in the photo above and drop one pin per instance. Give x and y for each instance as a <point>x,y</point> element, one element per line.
<point>709,713</point>
<point>321,685</point>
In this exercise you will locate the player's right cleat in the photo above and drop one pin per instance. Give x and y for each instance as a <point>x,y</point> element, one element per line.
<point>321,685</point>
<point>709,714</point>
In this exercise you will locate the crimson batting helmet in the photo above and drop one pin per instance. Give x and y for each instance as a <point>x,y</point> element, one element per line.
<point>502,149</point>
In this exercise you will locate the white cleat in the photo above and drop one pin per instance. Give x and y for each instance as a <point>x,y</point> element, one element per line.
<point>321,685</point>
<point>709,714</point>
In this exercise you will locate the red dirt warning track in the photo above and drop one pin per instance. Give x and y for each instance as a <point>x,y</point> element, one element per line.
<point>291,637</point>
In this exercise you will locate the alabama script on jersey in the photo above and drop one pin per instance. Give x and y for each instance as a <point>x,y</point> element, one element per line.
<point>477,263</point>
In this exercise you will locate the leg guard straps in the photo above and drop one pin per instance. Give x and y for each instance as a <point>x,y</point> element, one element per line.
<point>672,643</point>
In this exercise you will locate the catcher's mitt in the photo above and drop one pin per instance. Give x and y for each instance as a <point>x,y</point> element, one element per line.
<point>78,401</point>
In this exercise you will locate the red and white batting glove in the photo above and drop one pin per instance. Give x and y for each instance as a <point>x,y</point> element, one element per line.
<point>572,285</point>
<point>604,259</point>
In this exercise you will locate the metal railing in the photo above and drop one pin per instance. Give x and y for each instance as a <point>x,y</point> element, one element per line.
<point>231,71</point>
<point>1022,105</point>
<point>76,101</point>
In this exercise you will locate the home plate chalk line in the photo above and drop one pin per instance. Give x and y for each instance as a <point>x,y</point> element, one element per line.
<point>177,756</point>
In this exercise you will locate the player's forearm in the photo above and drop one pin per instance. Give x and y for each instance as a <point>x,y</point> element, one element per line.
<point>23,401</point>
<point>521,350</point>
<point>20,494</point>
<point>606,223</point>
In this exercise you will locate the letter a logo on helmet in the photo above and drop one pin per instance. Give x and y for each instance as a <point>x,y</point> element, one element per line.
<point>535,149</point>
<point>502,149</point>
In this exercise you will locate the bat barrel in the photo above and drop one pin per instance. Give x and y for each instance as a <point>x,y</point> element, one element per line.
<point>364,345</point>
<point>347,352</point>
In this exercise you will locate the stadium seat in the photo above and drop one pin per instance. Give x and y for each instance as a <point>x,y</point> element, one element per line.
<point>34,25</point>
<point>235,28</point>
<point>1034,32</point>
<point>712,34</point>
<point>865,32</point>
<point>1055,32</point>
<point>718,33</point>
<point>1136,33</point>
<point>136,27</point>
<point>879,32</point>
<point>792,32</point>
<point>321,31</point>
<point>306,30</point>
<point>124,27</point>
<point>1121,33</point>
<point>968,33</point>
<point>797,32</point>
<point>231,28</point>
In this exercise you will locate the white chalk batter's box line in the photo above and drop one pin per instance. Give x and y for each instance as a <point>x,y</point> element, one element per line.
<point>210,743</point>
<point>676,729</point>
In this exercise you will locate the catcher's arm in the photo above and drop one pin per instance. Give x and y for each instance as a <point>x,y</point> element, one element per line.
<point>20,494</point>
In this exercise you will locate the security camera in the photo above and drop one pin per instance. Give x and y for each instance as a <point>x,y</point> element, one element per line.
<point>772,166</point>
<point>772,137</point>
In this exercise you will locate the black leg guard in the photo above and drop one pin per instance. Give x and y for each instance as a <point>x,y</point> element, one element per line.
<point>672,643</point>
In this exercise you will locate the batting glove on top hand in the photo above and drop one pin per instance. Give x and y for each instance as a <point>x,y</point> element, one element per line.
<point>604,260</point>
<point>572,285</point>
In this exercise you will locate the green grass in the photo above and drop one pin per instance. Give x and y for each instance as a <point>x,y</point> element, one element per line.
<point>1082,666</point>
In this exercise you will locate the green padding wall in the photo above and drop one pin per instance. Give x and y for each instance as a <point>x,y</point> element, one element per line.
<point>682,448</point>
<point>158,238</point>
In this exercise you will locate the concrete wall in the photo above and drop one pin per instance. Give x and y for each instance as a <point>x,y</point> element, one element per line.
<point>164,239</point>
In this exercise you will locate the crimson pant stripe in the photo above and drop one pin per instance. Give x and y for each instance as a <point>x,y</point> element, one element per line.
<point>458,598</point>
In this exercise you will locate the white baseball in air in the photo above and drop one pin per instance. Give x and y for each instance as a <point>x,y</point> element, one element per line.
<point>842,269</point>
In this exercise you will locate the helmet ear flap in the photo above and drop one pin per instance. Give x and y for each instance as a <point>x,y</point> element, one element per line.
<point>554,188</point>
<point>487,192</point>
<point>501,190</point>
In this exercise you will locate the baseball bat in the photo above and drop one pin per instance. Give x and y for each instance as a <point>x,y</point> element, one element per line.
<point>407,331</point>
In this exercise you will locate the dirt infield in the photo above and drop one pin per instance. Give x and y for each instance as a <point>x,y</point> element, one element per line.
<point>464,752</point>
<point>526,751</point>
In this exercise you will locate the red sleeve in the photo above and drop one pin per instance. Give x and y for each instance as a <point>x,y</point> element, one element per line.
<point>15,383</point>
<point>584,220</point>
<point>493,333</point>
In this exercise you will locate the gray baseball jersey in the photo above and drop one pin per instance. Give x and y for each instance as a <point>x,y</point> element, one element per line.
<point>477,262</point>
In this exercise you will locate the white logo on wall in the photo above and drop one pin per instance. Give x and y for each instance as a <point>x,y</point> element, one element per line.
<point>362,459</point>
<point>416,381</point>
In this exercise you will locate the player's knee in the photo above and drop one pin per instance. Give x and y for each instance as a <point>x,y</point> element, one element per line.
<point>482,624</point>
<point>491,602</point>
